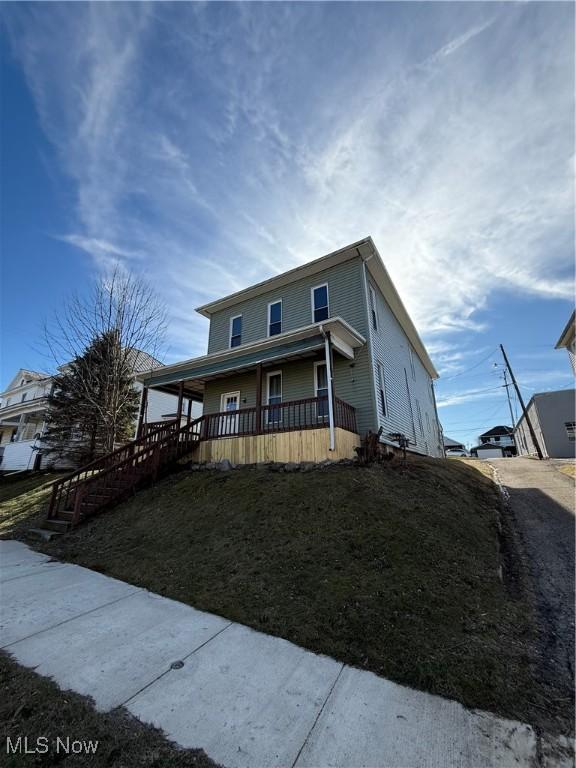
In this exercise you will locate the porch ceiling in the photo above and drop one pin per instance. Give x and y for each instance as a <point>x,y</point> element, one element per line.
<point>300,343</point>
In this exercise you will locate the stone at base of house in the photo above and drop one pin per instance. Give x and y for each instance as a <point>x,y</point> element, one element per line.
<point>271,466</point>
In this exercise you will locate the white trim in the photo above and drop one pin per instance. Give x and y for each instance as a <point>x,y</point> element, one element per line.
<point>225,426</point>
<point>270,412</point>
<point>316,364</point>
<point>228,394</point>
<point>328,356</point>
<point>268,376</point>
<point>314,288</point>
<point>235,317</point>
<point>271,304</point>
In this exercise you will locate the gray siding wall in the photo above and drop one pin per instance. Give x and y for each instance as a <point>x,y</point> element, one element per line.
<point>409,398</point>
<point>549,412</point>
<point>345,300</point>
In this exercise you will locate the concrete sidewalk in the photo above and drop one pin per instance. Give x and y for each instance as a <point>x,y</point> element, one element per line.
<point>246,698</point>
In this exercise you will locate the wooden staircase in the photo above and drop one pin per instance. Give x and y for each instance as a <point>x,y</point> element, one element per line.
<point>107,481</point>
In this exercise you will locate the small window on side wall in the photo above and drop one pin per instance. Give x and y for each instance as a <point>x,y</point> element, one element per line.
<point>236,331</point>
<point>320,303</point>
<point>275,318</point>
<point>571,430</point>
<point>373,315</point>
<point>382,388</point>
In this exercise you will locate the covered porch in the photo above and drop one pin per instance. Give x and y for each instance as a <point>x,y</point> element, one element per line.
<point>253,410</point>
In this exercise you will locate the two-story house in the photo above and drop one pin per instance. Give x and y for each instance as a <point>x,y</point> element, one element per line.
<point>24,412</point>
<point>301,365</point>
<point>23,408</point>
<point>501,437</point>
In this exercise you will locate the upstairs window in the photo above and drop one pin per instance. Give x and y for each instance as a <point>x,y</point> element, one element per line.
<point>24,396</point>
<point>412,363</point>
<point>382,388</point>
<point>373,315</point>
<point>571,430</point>
<point>236,331</point>
<point>320,303</point>
<point>275,318</point>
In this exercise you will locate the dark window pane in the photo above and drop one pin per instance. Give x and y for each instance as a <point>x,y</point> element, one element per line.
<point>320,314</point>
<point>276,312</point>
<point>275,328</point>
<point>237,326</point>
<point>321,297</point>
<point>235,341</point>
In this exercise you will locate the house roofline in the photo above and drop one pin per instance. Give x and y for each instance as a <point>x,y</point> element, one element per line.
<point>367,251</point>
<point>568,330</point>
<point>352,336</point>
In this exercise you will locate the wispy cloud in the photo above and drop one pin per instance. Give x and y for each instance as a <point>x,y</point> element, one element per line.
<point>217,144</point>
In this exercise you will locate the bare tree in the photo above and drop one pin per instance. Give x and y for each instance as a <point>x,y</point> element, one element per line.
<point>98,342</point>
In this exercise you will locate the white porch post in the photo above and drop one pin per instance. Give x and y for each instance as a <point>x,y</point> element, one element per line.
<point>328,357</point>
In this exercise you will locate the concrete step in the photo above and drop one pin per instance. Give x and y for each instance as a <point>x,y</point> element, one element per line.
<point>58,525</point>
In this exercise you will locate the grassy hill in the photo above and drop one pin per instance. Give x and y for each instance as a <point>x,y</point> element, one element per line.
<point>394,569</point>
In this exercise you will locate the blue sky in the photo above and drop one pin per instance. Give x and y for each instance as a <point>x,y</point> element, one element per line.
<point>211,145</point>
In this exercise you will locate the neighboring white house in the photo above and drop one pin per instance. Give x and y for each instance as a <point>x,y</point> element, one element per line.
<point>554,421</point>
<point>568,340</point>
<point>22,419</point>
<point>24,405</point>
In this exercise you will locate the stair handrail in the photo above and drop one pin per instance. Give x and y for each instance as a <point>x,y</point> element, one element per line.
<point>153,448</point>
<point>131,448</point>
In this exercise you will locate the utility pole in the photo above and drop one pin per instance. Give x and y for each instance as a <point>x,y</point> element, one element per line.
<point>521,401</point>
<point>506,385</point>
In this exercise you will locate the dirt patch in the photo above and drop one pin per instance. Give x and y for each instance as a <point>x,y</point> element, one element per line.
<point>32,706</point>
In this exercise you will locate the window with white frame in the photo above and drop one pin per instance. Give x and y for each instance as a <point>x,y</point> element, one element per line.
<point>236,331</point>
<point>275,318</point>
<point>571,430</point>
<point>274,396</point>
<point>321,388</point>
<point>320,303</point>
<point>382,389</point>
<point>373,313</point>
<point>412,363</point>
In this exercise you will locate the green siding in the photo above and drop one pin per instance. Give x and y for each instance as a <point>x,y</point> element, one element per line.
<point>345,290</point>
<point>352,378</point>
<point>351,383</point>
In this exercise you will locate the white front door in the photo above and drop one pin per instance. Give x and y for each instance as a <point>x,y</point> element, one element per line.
<point>229,405</point>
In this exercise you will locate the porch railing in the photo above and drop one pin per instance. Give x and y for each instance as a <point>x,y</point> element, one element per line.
<point>309,413</point>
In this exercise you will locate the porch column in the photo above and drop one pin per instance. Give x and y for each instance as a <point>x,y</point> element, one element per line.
<point>189,414</point>
<point>259,399</point>
<point>180,400</point>
<point>143,404</point>
<point>328,356</point>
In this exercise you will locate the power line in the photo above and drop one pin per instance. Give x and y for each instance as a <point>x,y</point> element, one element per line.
<point>457,375</point>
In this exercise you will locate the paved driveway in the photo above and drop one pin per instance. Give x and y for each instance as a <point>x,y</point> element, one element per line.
<point>246,698</point>
<point>543,515</point>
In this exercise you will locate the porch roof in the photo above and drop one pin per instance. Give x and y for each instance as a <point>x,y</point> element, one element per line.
<point>301,342</point>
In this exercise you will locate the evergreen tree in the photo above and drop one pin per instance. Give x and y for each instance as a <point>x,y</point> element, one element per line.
<point>93,403</point>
